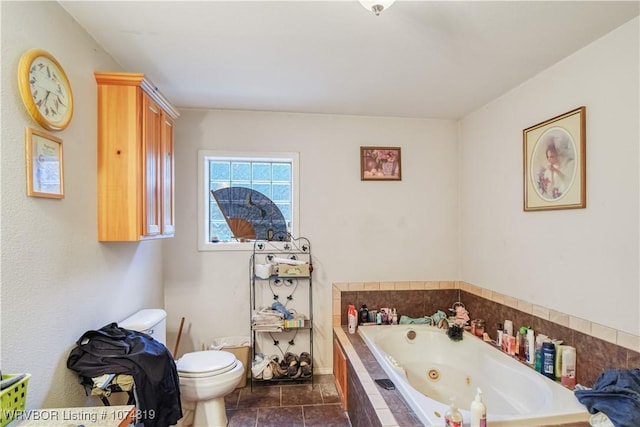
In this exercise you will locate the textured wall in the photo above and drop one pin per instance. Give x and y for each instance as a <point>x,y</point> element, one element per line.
<point>56,280</point>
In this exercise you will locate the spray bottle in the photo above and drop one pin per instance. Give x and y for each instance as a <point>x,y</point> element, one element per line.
<point>352,319</point>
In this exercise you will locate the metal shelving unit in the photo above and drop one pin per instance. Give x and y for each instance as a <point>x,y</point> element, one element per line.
<point>282,271</point>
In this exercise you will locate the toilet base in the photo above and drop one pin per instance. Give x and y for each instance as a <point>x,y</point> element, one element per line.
<point>206,413</point>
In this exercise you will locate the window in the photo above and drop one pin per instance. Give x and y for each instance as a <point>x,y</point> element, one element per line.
<point>274,175</point>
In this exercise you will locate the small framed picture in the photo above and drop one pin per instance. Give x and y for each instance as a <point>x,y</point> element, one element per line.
<point>44,165</point>
<point>555,162</point>
<point>380,164</point>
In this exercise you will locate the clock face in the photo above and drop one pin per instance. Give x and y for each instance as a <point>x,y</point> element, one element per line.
<point>45,90</point>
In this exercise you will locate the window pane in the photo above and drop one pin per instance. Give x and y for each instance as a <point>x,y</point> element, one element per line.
<point>240,171</point>
<point>219,171</point>
<point>282,172</point>
<point>261,172</point>
<point>281,192</point>
<point>285,208</point>
<point>263,188</point>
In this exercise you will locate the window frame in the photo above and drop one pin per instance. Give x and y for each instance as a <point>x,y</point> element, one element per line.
<point>204,156</point>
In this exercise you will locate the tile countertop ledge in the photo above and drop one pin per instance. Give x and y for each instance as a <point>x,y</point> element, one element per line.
<point>388,414</point>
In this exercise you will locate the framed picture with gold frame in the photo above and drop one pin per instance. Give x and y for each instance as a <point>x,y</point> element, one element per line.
<point>554,163</point>
<point>45,177</point>
<point>380,164</point>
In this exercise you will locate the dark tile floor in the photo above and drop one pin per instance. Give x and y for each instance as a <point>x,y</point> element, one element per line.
<point>289,405</point>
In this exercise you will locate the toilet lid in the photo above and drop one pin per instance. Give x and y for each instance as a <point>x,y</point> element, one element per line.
<point>209,362</point>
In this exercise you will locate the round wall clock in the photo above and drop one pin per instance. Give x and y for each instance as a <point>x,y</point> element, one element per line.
<point>45,89</point>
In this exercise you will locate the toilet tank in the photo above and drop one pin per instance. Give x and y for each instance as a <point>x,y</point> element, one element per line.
<point>151,321</point>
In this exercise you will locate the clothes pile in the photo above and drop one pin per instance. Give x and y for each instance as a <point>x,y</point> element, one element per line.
<point>115,350</point>
<point>615,393</point>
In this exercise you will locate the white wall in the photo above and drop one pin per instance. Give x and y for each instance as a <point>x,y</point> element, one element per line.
<point>582,262</point>
<point>359,231</point>
<point>56,280</point>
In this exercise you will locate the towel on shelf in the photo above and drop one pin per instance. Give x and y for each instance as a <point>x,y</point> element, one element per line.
<point>616,393</point>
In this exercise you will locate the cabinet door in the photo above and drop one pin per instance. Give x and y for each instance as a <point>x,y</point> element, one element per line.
<point>167,175</point>
<point>151,195</point>
<point>340,372</point>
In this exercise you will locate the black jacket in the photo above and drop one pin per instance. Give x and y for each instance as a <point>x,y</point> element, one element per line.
<point>115,350</point>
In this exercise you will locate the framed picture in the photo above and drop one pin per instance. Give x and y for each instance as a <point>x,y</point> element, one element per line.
<point>380,164</point>
<point>555,162</point>
<point>44,165</point>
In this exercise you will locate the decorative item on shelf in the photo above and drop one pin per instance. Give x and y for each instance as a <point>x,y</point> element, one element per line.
<point>376,6</point>
<point>250,214</point>
<point>45,89</point>
<point>45,171</point>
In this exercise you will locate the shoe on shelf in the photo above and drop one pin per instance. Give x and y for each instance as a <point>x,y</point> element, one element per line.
<point>292,363</point>
<point>305,364</point>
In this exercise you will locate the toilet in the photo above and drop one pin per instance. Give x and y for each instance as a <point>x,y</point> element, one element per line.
<point>206,377</point>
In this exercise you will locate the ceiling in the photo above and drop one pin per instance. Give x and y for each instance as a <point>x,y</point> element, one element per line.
<point>424,59</point>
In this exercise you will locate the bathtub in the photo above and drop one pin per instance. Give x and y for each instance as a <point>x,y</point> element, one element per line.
<point>428,369</point>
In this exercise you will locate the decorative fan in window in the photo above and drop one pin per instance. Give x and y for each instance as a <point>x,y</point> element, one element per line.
<point>250,214</point>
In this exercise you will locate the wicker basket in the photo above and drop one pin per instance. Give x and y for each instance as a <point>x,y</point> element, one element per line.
<point>13,399</point>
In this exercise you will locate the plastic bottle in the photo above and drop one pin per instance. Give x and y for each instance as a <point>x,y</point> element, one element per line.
<point>531,347</point>
<point>568,366</point>
<point>394,317</point>
<point>558,368</point>
<point>500,332</point>
<point>352,319</point>
<point>549,360</point>
<point>508,327</point>
<point>453,417</point>
<point>522,339</point>
<point>364,314</point>
<point>478,411</point>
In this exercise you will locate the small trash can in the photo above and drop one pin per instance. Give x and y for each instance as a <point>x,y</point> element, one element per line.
<point>241,348</point>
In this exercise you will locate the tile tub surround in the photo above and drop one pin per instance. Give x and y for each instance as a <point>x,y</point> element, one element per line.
<point>597,347</point>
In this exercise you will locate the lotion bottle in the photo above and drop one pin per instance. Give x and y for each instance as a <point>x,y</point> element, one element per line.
<point>478,411</point>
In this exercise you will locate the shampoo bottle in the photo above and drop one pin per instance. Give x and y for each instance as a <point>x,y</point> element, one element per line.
<point>453,417</point>
<point>531,347</point>
<point>568,366</point>
<point>352,319</point>
<point>478,411</point>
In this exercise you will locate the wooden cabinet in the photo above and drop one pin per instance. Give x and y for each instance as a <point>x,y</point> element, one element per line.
<point>135,159</point>
<point>340,372</point>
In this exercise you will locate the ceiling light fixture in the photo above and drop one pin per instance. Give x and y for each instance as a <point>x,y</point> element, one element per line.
<point>376,6</point>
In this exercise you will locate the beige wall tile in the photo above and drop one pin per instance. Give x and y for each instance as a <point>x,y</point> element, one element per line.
<point>387,286</point>
<point>403,286</point>
<point>604,333</point>
<point>559,318</point>
<point>630,341</point>
<point>579,324</point>
<point>540,311</point>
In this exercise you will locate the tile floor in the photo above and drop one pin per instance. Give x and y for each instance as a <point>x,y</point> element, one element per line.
<point>289,405</point>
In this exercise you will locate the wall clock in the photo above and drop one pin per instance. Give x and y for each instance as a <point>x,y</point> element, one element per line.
<point>45,89</point>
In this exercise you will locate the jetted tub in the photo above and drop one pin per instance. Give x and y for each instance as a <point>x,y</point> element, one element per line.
<point>428,368</point>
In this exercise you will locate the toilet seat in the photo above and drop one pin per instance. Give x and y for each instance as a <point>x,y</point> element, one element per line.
<point>207,363</point>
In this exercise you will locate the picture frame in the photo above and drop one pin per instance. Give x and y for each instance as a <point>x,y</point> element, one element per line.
<point>45,169</point>
<point>554,163</point>
<point>380,164</point>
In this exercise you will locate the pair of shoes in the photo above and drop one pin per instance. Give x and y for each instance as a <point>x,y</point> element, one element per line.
<point>291,363</point>
<point>278,371</point>
<point>305,364</point>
